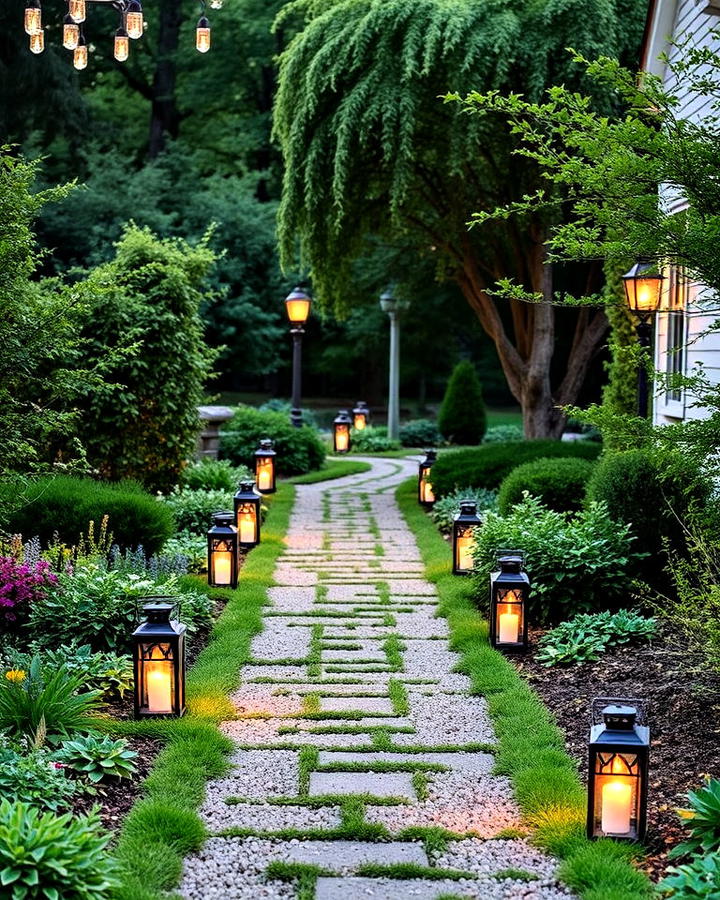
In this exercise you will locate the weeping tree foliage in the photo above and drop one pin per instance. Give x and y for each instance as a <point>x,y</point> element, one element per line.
<point>371,149</point>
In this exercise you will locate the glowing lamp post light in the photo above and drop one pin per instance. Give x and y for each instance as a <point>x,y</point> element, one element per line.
<point>361,414</point>
<point>265,467</point>
<point>223,551</point>
<point>426,497</point>
<point>618,772</point>
<point>643,289</point>
<point>297,306</point>
<point>247,515</point>
<point>509,592</point>
<point>341,431</point>
<point>463,537</point>
<point>159,661</point>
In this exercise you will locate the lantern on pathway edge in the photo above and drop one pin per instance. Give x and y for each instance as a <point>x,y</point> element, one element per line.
<point>361,414</point>
<point>341,431</point>
<point>159,661</point>
<point>509,593</point>
<point>223,551</point>
<point>247,514</point>
<point>618,770</point>
<point>463,537</point>
<point>265,467</point>
<point>426,497</point>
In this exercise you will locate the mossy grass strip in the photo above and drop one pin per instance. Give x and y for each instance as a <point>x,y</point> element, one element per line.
<point>398,697</point>
<point>163,826</point>
<point>530,746</point>
<point>393,647</point>
<point>516,874</point>
<point>384,766</point>
<point>412,870</point>
<point>420,785</point>
<point>435,838</point>
<point>315,651</point>
<point>335,469</point>
<point>329,800</point>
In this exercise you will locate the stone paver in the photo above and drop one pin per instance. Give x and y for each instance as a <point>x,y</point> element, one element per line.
<point>315,719</point>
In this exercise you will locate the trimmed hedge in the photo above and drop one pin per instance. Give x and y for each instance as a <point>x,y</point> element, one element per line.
<point>67,505</point>
<point>299,450</point>
<point>462,418</point>
<point>559,483</point>
<point>486,466</point>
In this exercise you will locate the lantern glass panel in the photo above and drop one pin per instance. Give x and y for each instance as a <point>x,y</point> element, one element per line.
<point>464,544</point>
<point>617,793</point>
<point>426,489</point>
<point>359,421</point>
<point>342,438</point>
<point>247,522</point>
<point>221,561</point>
<point>265,472</point>
<point>298,309</point>
<point>509,616</point>
<point>157,678</point>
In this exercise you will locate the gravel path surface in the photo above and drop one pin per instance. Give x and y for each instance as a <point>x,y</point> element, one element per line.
<point>364,720</point>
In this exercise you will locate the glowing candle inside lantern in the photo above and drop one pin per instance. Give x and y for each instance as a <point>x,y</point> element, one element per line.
<point>341,438</point>
<point>247,528</point>
<point>509,627</point>
<point>264,477</point>
<point>428,494</point>
<point>359,422</point>
<point>159,689</point>
<point>222,561</point>
<point>464,551</point>
<point>616,807</point>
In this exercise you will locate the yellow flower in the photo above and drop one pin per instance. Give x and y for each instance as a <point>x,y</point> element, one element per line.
<point>15,675</point>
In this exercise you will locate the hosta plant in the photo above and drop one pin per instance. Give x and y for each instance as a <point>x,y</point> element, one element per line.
<point>97,757</point>
<point>49,857</point>
<point>699,880</point>
<point>584,637</point>
<point>35,778</point>
<point>702,818</point>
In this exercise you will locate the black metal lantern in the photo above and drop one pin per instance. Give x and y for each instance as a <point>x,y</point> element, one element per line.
<point>509,593</point>
<point>223,551</point>
<point>463,537</point>
<point>618,770</point>
<point>643,287</point>
<point>159,661</point>
<point>247,514</point>
<point>265,467</point>
<point>361,415</point>
<point>426,497</point>
<point>341,431</point>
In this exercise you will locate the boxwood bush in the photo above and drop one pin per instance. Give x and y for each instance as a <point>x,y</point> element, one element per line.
<point>299,450</point>
<point>420,433</point>
<point>67,505</point>
<point>373,439</point>
<point>560,483</point>
<point>486,466</point>
<point>462,418</point>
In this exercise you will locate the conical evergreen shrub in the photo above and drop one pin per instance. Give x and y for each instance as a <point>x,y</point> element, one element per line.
<point>462,418</point>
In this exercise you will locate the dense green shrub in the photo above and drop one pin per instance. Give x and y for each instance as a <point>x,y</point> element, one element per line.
<point>501,433</point>
<point>373,439</point>
<point>35,779</point>
<point>213,475</point>
<point>444,510</point>
<point>653,495</point>
<point>560,483</point>
<point>462,418</point>
<point>193,510</point>
<point>48,857</point>
<point>486,466</point>
<point>576,563</point>
<point>299,450</point>
<point>420,433</point>
<point>67,505</point>
<point>106,672</point>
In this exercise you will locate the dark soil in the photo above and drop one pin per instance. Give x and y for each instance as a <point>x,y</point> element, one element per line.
<point>683,712</point>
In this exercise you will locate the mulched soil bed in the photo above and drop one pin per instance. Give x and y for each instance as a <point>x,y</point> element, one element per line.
<point>683,713</point>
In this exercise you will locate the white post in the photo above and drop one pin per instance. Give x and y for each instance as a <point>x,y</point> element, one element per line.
<point>394,386</point>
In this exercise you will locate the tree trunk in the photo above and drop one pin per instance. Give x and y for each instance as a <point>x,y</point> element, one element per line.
<point>164,115</point>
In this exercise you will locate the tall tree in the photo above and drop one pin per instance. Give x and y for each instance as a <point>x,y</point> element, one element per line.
<point>370,148</point>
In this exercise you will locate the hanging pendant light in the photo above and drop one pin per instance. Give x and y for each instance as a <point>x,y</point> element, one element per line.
<point>121,49</point>
<point>202,35</point>
<point>77,10</point>
<point>71,33</point>
<point>37,42</point>
<point>80,54</point>
<point>33,18</point>
<point>134,22</point>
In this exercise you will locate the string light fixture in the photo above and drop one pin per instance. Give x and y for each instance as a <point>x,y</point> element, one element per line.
<point>132,26</point>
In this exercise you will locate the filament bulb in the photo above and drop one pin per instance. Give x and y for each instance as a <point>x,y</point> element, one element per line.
<point>121,50</point>
<point>76,8</point>
<point>202,35</point>
<point>80,55</point>
<point>134,23</point>
<point>33,19</point>
<point>71,33</point>
<point>216,4</point>
<point>37,41</point>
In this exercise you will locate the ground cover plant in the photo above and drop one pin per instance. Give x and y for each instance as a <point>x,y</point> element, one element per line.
<point>586,636</point>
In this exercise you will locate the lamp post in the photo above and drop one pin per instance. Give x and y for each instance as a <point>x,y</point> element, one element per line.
<point>643,287</point>
<point>393,307</point>
<point>297,305</point>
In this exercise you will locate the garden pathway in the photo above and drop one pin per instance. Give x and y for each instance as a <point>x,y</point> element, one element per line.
<point>354,736</point>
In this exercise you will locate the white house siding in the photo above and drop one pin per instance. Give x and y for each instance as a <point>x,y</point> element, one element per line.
<point>679,21</point>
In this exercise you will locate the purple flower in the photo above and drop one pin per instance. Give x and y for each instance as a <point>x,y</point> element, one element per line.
<point>21,584</point>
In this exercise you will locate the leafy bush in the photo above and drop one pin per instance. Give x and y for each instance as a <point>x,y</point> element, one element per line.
<point>699,880</point>
<point>299,450</point>
<point>35,778</point>
<point>486,466</point>
<point>99,607</point>
<point>444,510</point>
<point>192,547</point>
<point>21,584</point>
<point>420,433</point>
<point>653,495</point>
<point>158,566</point>
<point>503,433</point>
<point>462,418</point>
<point>213,475</point>
<point>193,509</point>
<point>583,638</point>
<point>373,439</point>
<point>576,563</point>
<point>560,483</point>
<point>48,857</point>
<point>45,706</point>
<point>97,757</point>
<point>67,505</point>
<point>105,672</point>
<point>702,819</point>
<point>275,404</point>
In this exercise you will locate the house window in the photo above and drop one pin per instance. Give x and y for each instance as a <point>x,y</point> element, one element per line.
<point>677,304</point>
